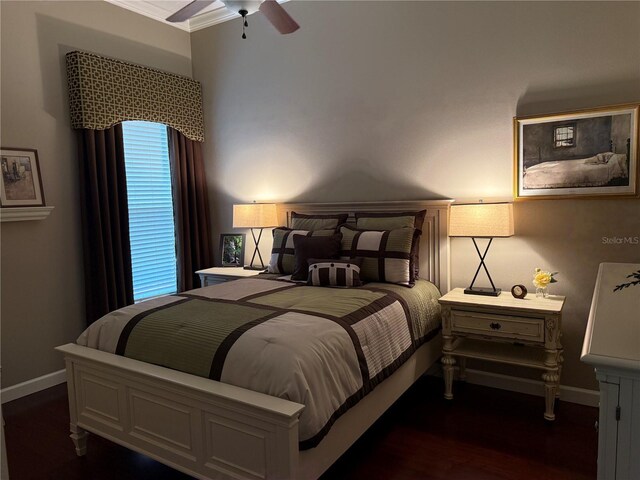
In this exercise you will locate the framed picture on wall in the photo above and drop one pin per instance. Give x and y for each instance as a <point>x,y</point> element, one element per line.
<point>232,249</point>
<point>577,154</point>
<point>21,181</point>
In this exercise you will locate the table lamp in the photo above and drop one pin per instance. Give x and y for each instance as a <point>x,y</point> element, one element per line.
<point>255,216</point>
<point>483,220</point>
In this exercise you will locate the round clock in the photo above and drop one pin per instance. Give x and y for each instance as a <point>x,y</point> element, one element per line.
<point>519,291</point>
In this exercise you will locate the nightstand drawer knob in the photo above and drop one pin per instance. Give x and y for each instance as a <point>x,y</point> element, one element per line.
<point>495,326</point>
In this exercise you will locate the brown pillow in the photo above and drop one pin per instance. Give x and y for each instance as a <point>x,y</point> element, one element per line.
<point>313,247</point>
<point>282,254</point>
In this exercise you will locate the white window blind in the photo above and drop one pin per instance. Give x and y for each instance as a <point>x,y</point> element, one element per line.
<point>151,223</point>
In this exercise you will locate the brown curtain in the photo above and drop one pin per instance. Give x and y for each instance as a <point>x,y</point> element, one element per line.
<point>105,221</point>
<point>191,209</point>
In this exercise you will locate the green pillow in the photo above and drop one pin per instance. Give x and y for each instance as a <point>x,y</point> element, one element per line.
<point>300,221</point>
<point>392,220</point>
<point>386,254</point>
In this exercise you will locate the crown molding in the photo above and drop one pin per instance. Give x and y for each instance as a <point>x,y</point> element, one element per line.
<point>211,18</point>
<point>160,10</point>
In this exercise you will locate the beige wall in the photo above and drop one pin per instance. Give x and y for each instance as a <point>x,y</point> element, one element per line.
<point>370,101</point>
<point>42,279</point>
<point>391,100</point>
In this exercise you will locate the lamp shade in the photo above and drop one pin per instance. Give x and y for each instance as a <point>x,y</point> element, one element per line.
<point>481,220</point>
<point>255,215</point>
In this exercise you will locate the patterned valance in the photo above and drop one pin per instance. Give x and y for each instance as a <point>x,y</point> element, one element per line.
<point>104,91</point>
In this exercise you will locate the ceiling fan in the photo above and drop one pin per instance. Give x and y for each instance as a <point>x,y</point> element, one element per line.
<point>271,9</point>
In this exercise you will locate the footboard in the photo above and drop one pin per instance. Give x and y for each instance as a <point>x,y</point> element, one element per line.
<point>201,427</point>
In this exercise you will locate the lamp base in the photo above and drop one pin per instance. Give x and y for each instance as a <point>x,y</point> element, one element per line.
<point>251,267</point>
<point>490,292</point>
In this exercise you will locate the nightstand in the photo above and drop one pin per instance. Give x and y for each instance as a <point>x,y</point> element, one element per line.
<point>215,275</point>
<point>504,329</point>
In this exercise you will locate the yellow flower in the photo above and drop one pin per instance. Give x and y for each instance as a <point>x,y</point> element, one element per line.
<point>541,279</point>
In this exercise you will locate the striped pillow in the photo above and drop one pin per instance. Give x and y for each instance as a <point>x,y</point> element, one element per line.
<point>334,273</point>
<point>283,253</point>
<point>386,254</point>
<point>300,221</point>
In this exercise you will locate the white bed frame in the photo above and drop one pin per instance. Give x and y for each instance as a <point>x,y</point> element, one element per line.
<point>209,429</point>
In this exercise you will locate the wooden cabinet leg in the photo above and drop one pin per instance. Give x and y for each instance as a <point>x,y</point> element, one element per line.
<point>79,436</point>
<point>560,362</point>
<point>448,363</point>
<point>551,379</point>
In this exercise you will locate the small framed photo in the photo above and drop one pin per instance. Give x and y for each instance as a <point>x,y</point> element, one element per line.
<point>21,180</point>
<point>232,249</point>
<point>586,153</point>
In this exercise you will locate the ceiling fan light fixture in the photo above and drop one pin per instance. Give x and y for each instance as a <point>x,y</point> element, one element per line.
<point>245,24</point>
<point>249,6</point>
<point>271,9</point>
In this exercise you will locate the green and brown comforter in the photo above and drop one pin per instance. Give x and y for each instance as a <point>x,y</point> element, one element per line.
<point>325,348</point>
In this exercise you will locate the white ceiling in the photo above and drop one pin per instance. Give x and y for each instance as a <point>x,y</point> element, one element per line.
<point>161,9</point>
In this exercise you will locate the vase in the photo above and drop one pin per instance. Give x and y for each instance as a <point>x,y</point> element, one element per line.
<point>542,292</point>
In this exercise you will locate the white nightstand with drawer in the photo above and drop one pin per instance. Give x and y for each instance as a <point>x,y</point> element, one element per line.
<point>504,329</point>
<point>215,275</point>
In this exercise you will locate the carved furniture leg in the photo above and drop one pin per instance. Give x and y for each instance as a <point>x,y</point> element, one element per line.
<point>560,362</point>
<point>448,363</point>
<point>79,436</point>
<point>551,379</point>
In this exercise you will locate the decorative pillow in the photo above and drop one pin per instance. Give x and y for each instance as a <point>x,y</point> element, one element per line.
<point>334,273</point>
<point>393,220</point>
<point>386,254</point>
<point>300,221</point>
<point>282,254</point>
<point>389,220</point>
<point>313,247</point>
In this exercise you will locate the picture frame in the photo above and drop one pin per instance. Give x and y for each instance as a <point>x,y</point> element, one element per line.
<point>232,247</point>
<point>578,154</point>
<point>21,184</point>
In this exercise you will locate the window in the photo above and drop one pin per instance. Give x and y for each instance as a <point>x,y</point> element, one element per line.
<point>151,224</point>
<point>564,135</point>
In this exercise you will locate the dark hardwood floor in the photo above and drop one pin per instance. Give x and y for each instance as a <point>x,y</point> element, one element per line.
<point>483,434</point>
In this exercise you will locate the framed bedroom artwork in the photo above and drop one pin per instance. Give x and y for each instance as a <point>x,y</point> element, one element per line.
<point>232,249</point>
<point>578,154</point>
<point>21,181</point>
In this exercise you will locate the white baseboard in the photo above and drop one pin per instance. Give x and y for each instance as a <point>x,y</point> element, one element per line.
<point>32,386</point>
<point>581,396</point>
<point>577,395</point>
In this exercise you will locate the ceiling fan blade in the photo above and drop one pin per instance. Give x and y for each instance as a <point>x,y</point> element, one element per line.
<point>189,10</point>
<point>278,17</point>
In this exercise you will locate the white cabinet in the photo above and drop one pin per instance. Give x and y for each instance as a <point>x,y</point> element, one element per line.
<point>524,332</point>
<point>215,275</point>
<point>612,346</point>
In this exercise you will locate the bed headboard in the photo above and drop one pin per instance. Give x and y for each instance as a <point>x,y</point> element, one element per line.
<point>434,243</point>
